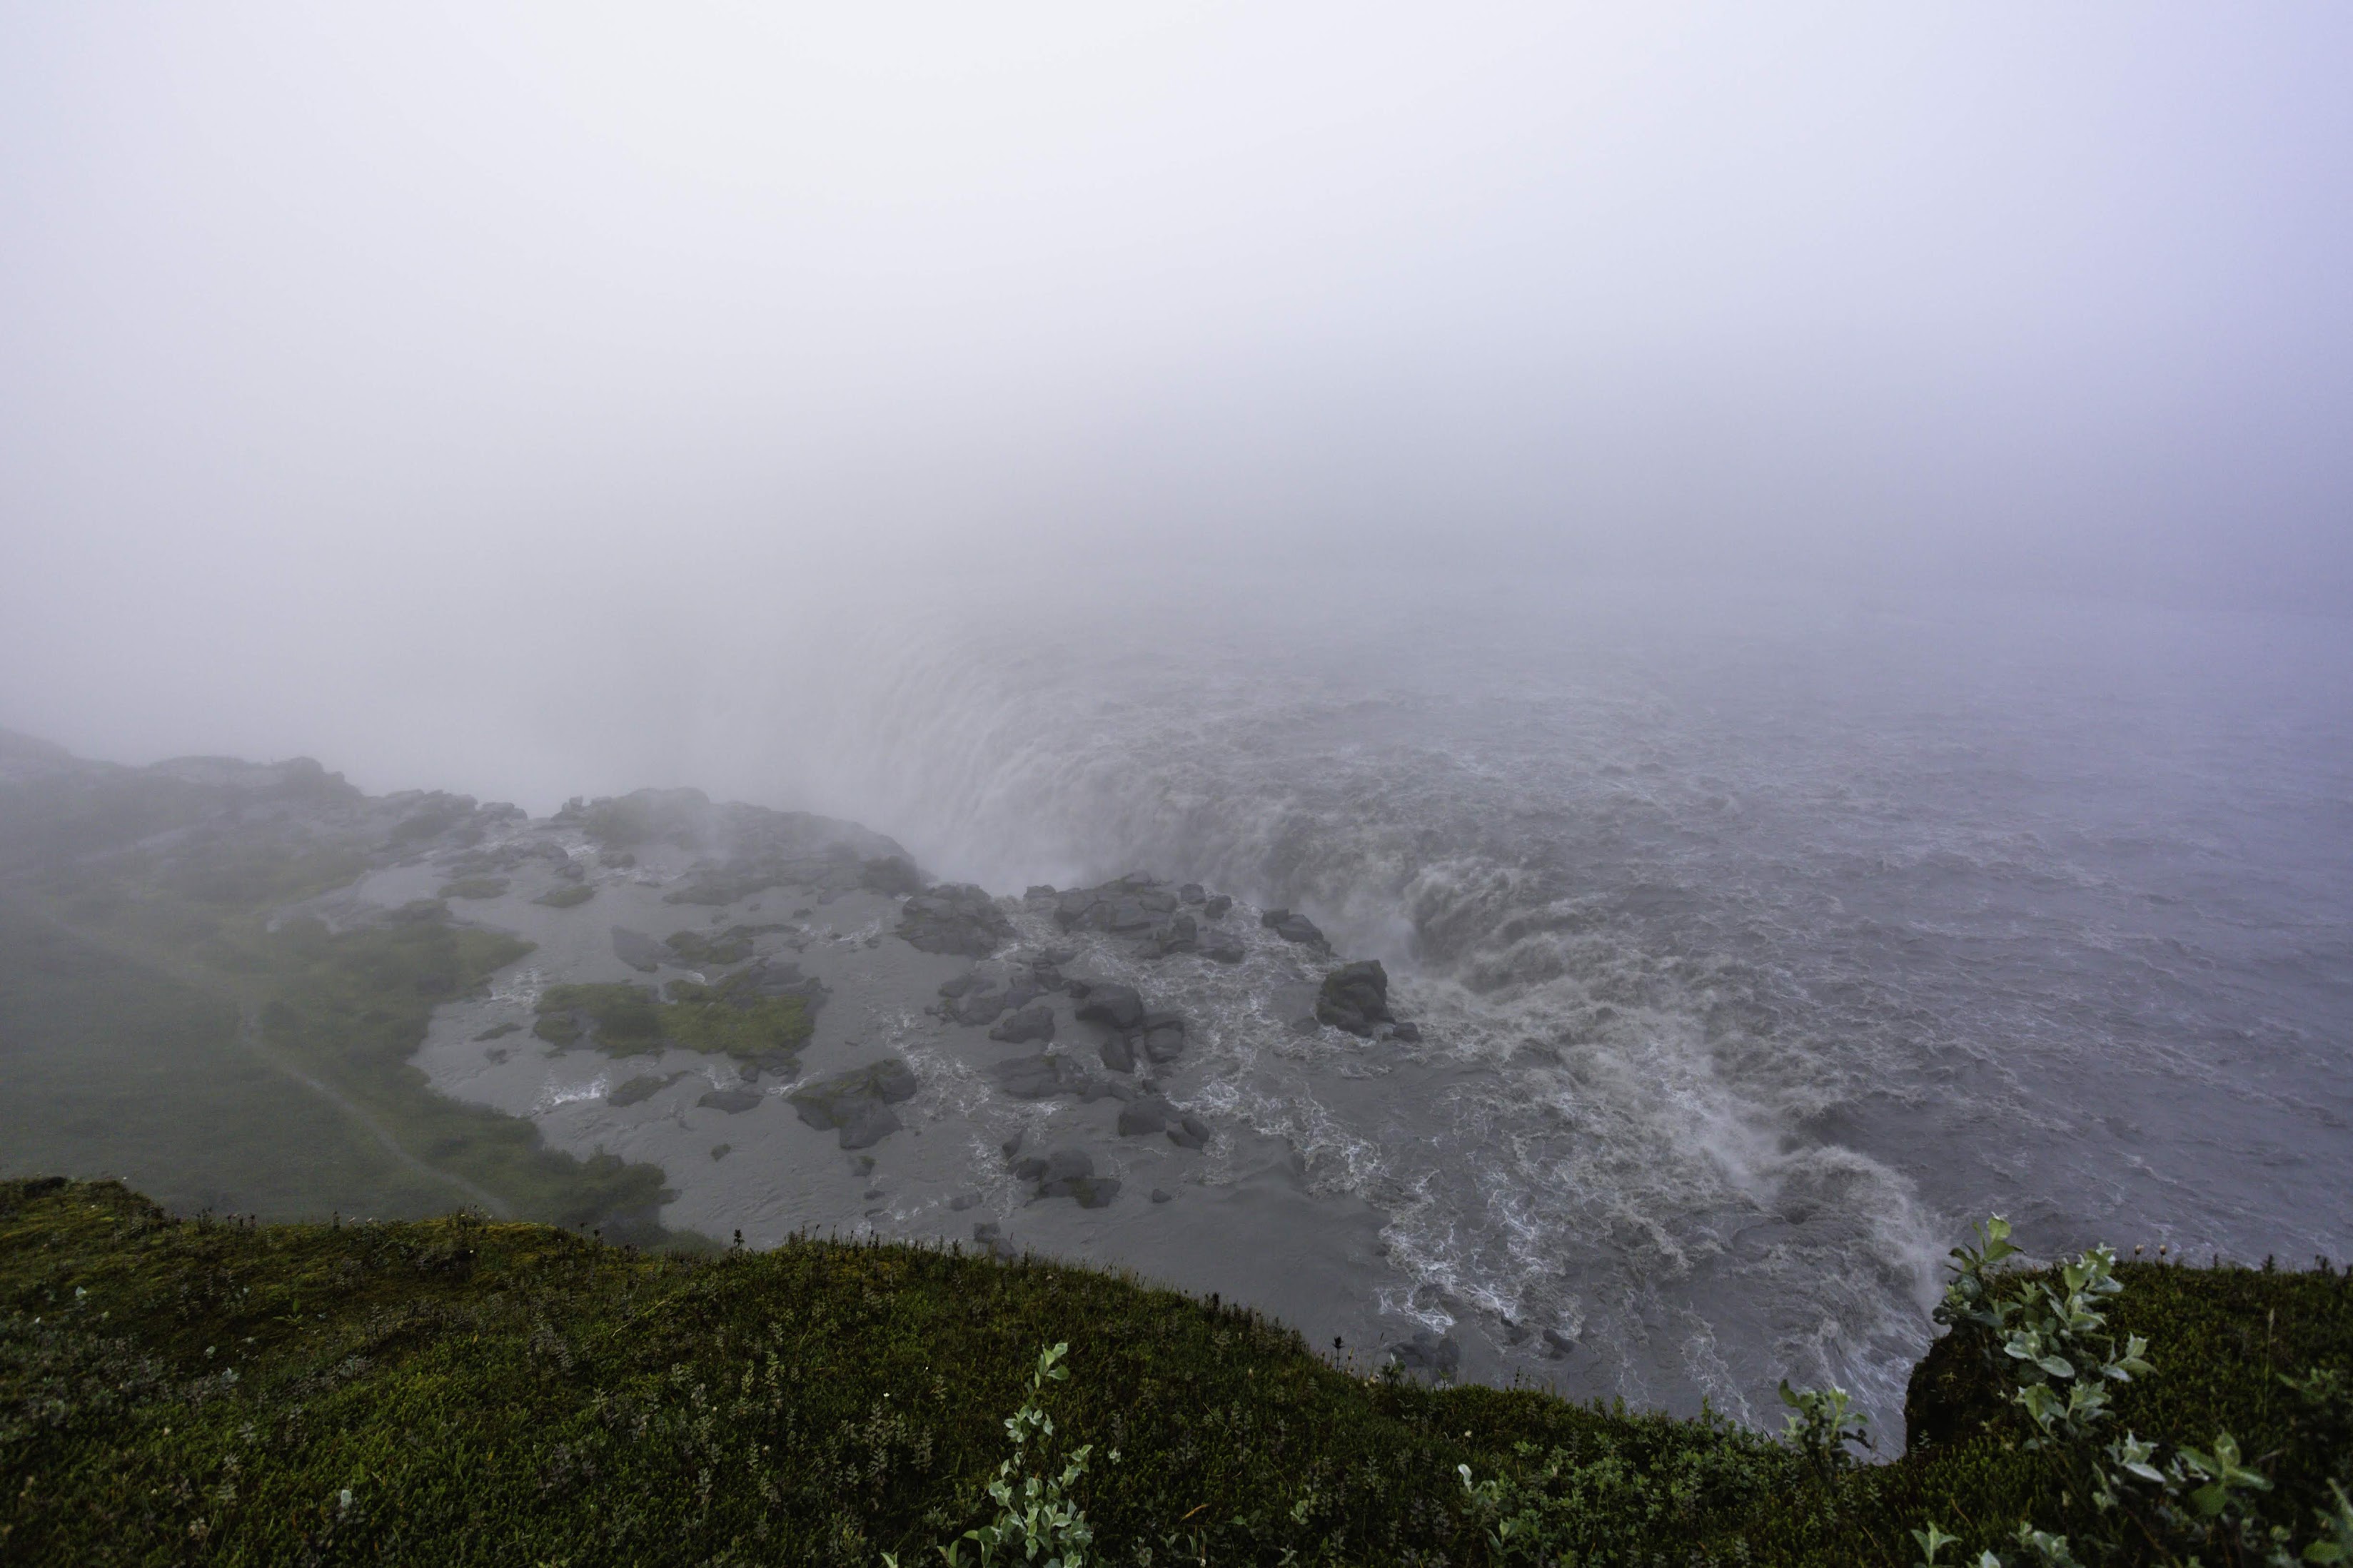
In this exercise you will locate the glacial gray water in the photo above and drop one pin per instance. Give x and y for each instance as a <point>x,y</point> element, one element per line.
<point>1763,938</point>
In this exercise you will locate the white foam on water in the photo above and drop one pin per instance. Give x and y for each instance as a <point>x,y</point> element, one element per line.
<point>1759,945</point>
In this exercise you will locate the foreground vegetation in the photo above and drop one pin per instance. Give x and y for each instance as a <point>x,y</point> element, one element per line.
<point>455,1391</point>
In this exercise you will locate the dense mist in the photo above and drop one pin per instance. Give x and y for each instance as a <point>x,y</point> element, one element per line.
<point>448,391</point>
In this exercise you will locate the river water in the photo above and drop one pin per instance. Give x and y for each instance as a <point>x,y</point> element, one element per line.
<point>1762,937</point>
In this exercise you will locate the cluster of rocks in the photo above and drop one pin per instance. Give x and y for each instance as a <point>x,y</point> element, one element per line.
<point>955,918</point>
<point>977,999</point>
<point>1143,1117</point>
<point>857,1102</point>
<point>1140,907</point>
<point>745,849</point>
<point>1064,1174</point>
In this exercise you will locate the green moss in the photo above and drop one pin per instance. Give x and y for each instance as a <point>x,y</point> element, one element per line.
<point>627,1019</point>
<point>475,887</point>
<point>262,874</point>
<point>245,1068</point>
<point>570,895</point>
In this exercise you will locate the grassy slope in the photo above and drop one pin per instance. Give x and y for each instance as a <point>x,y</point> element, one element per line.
<point>261,1071</point>
<point>513,1393</point>
<point>113,1069</point>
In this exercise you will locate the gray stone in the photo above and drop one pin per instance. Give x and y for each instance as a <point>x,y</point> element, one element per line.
<point>1224,949</point>
<point>1294,928</point>
<point>642,1087</point>
<point>857,1102</point>
<point>1118,1054</point>
<point>1114,1004</point>
<point>1043,1076</point>
<point>1162,1194</point>
<point>1409,1033</point>
<point>980,1008</point>
<point>1191,1132</point>
<point>1216,908</point>
<point>1141,1118</point>
<point>955,919</point>
<point>733,1102</point>
<point>1028,1024</point>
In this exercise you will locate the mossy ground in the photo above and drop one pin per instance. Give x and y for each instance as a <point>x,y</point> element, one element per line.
<point>173,1391</point>
<point>239,1061</point>
<point>622,1019</point>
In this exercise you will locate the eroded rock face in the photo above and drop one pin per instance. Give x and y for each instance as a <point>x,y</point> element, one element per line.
<point>1354,997</point>
<point>955,919</point>
<point>857,1102</point>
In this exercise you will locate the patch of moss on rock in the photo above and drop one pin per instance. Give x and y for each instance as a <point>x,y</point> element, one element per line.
<point>709,950</point>
<point>623,1019</point>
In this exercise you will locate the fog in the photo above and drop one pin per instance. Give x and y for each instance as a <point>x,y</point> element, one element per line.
<point>442,390</point>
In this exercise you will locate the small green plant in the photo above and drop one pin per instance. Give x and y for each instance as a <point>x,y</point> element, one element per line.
<point>1035,1513</point>
<point>1821,1423</point>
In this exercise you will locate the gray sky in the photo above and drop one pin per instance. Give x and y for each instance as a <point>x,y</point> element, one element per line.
<point>347,353</point>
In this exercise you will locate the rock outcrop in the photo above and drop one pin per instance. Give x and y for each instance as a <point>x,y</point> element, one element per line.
<point>1354,997</point>
<point>955,918</point>
<point>857,1102</point>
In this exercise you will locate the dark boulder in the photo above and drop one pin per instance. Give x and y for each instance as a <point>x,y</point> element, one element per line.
<point>1119,1054</point>
<point>1409,1033</point>
<point>1215,908</point>
<point>980,1008</point>
<point>952,989</point>
<point>1223,948</point>
<point>1191,893</point>
<point>1046,1075</point>
<point>1113,1006</point>
<point>732,1100</point>
<point>1191,1132</point>
<point>1163,1037</point>
<point>857,1102</point>
<point>1069,1174</point>
<point>959,919</point>
<point>1028,1024</point>
<point>1293,927</point>
<point>1141,1118</point>
<point>1354,997</point>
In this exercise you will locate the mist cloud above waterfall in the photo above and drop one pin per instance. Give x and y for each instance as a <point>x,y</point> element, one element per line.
<point>353,364</point>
